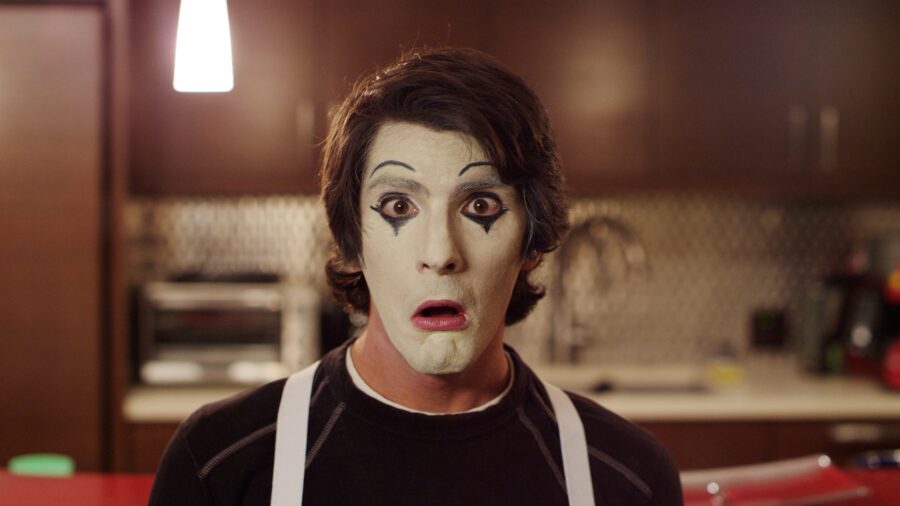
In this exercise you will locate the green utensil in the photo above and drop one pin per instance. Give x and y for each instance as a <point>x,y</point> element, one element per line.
<point>42,464</point>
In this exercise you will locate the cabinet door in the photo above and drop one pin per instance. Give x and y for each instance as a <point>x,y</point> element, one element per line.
<point>732,93</point>
<point>145,445</point>
<point>856,88</point>
<point>781,97</point>
<point>50,259</point>
<point>258,138</point>
<point>703,445</point>
<point>358,36</point>
<point>592,65</point>
<point>841,440</point>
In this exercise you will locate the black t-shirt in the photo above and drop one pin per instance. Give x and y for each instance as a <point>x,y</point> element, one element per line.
<point>362,451</point>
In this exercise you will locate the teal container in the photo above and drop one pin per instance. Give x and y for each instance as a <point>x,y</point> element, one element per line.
<point>42,464</point>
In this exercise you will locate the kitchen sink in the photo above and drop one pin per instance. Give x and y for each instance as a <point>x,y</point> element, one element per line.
<point>635,378</point>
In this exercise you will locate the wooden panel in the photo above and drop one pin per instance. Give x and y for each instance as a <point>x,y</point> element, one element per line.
<point>592,65</point>
<point>699,445</point>
<point>146,444</point>
<point>745,90</point>
<point>357,36</point>
<point>839,439</point>
<point>257,138</point>
<point>855,72</point>
<point>117,344</point>
<point>729,73</point>
<point>50,264</point>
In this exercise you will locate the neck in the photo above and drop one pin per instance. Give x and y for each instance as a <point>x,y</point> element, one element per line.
<point>385,370</point>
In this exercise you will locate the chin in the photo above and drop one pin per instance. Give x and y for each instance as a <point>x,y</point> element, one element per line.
<point>440,353</point>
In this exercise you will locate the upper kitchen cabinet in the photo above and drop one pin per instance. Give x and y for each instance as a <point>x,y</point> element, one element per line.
<point>793,98</point>
<point>592,65</point>
<point>855,101</point>
<point>52,180</point>
<point>258,138</point>
<point>358,36</point>
<point>732,91</point>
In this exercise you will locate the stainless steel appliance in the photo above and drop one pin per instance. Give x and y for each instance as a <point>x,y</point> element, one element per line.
<point>225,332</point>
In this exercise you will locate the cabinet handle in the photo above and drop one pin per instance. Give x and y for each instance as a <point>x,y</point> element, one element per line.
<point>829,121</point>
<point>855,433</point>
<point>797,118</point>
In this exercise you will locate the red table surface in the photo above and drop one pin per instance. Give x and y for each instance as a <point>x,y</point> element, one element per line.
<point>884,484</point>
<point>94,489</point>
<point>82,489</point>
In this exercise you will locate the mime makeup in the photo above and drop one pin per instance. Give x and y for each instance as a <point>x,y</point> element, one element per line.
<point>441,247</point>
<point>484,209</point>
<point>395,209</point>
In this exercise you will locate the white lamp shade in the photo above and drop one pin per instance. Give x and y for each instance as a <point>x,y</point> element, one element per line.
<point>203,47</point>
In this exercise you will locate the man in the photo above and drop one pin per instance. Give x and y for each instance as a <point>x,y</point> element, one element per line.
<point>442,190</point>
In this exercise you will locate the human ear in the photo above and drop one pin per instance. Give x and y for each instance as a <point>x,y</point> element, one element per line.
<point>532,260</point>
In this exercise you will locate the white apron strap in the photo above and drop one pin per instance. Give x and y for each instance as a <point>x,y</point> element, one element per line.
<point>576,465</point>
<point>293,424</point>
<point>290,438</point>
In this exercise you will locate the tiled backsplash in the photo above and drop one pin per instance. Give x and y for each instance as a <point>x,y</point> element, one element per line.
<point>710,262</point>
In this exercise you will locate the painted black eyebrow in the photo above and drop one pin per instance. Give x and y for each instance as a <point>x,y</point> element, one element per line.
<point>473,186</point>
<point>398,182</point>
<point>392,162</point>
<point>473,164</point>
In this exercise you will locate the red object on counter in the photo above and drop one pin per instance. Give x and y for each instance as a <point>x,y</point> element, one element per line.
<point>792,482</point>
<point>81,489</point>
<point>830,486</point>
<point>890,368</point>
<point>884,484</point>
<point>892,287</point>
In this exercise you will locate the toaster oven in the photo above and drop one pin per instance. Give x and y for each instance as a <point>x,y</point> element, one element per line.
<point>225,333</point>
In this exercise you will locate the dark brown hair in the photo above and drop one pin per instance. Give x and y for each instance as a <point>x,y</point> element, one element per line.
<point>445,89</point>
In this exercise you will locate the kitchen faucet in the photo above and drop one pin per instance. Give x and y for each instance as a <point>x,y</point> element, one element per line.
<point>597,232</point>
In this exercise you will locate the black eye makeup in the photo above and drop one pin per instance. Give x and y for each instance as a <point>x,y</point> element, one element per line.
<point>484,208</point>
<point>396,209</point>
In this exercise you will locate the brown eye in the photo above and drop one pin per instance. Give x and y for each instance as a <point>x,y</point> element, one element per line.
<point>483,206</point>
<point>397,208</point>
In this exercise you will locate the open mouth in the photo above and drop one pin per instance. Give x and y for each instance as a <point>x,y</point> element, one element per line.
<point>440,315</point>
<point>439,311</point>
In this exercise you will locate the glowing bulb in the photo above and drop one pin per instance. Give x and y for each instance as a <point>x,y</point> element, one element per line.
<point>203,47</point>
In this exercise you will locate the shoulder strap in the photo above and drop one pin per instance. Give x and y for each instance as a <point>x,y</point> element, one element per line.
<point>576,465</point>
<point>290,438</point>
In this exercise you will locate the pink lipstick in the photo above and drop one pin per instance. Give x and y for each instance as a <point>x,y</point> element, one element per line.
<point>435,315</point>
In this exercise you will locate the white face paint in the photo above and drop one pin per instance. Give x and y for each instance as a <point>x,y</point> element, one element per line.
<point>441,245</point>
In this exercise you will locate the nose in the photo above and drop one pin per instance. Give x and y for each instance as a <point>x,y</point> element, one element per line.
<point>441,252</point>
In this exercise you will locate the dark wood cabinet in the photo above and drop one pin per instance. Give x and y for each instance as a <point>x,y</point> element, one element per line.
<point>144,444</point>
<point>592,65</point>
<point>729,73</point>
<point>855,85</point>
<point>795,98</point>
<point>357,36</point>
<point>52,180</point>
<point>700,445</point>
<point>704,445</point>
<point>257,138</point>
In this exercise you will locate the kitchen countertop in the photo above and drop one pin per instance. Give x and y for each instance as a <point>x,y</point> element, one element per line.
<point>762,390</point>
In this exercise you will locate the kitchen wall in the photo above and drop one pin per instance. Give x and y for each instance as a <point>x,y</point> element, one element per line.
<point>710,262</point>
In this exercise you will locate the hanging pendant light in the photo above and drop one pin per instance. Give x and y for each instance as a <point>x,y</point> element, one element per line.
<point>203,47</point>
